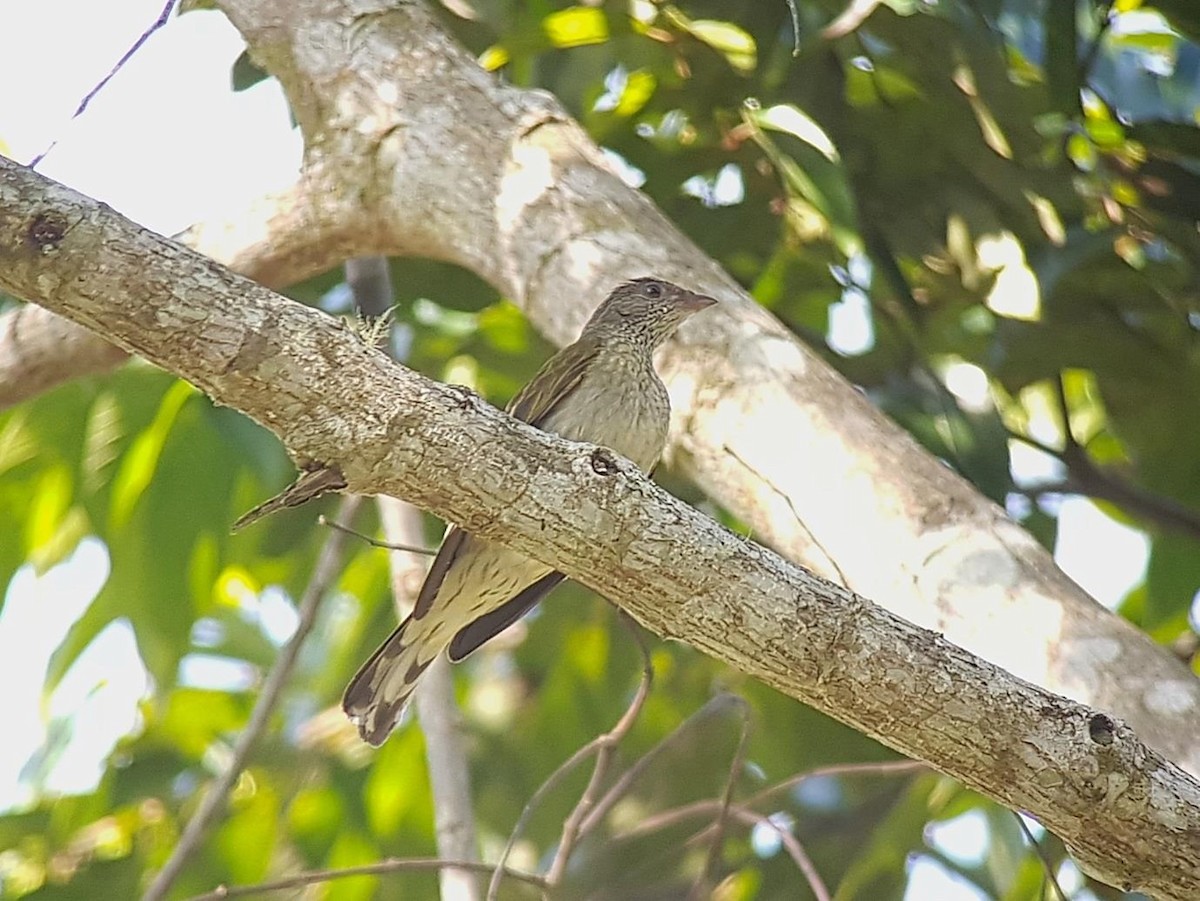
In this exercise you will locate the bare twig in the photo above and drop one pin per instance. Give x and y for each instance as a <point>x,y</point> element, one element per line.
<point>790,843</point>
<point>1086,478</point>
<point>1047,865</point>
<point>83,104</point>
<point>795,11</point>
<point>850,19</point>
<point>312,877</point>
<point>743,814</point>
<point>375,542</point>
<point>697,809</point>
<point>883,768</point>
<point>704,880</point>
<point>1064,410</point>
<point>573,829</point>
<point>631,775</point>
<point>326,570</point>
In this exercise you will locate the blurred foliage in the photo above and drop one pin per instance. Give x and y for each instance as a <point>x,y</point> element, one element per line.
<point>984,212</point>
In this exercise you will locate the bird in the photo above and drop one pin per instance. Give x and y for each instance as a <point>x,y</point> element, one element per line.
<point>602,389</point>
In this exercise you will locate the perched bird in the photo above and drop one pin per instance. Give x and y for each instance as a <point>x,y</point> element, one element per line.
<point>602,389</point>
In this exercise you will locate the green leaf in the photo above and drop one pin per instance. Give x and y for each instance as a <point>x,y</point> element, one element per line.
<point>171,513</point>
<point>576,26</point>
<point>788,118</point>
<point>734,43</point>
<point>246,841</point>
<point>195,718</point>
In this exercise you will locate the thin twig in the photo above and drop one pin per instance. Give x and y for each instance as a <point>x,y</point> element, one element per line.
<point>375,542</point>
<point>742,814</point>
<point>704,880</point>
<point>826,566</point>
<point>83,104</point>
<point>850,19</point>
<point>1041,854</point>
<point>1050,450</point>
<point>313,877</point>
<point>883,768</point>
<point>794,9</point>
<point>326,570</point>
<point>790,843</point>
<point>696,809</point>
<point>1086,478</point>
<point>631,775</point>
<point>573,831</point>
<point>1064,410</point>
<point>595,746</point>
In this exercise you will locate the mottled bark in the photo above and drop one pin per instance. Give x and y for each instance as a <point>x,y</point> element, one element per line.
<point>1130,815</point>
<point>413,150</point>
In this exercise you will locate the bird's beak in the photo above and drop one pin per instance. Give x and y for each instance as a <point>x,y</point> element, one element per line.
<point>695,302</point>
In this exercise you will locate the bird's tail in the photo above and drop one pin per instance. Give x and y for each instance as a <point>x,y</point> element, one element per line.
<point>309,485</point>
<point>379,691</point>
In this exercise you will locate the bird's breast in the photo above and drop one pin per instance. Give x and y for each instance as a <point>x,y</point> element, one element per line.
<point>621,405</point>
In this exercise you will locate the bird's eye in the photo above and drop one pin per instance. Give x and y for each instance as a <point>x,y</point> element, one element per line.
<point>652,289</point>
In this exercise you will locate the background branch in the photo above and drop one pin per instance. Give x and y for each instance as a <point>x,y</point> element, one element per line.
<point>445,752</point>
<point>326,570</point>
<point>314,877</point>
<point>938,553</point>
<point>1130,815</point>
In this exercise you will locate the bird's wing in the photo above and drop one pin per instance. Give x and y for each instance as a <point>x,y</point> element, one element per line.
<point>471,637</point>
<point>554,382</point>
<point>452,547</point>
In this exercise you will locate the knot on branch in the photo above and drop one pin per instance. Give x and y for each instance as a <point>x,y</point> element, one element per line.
<point>47,230</point>
<point>604,462</point>
<point>1102,730</point>
<point>464,397</point>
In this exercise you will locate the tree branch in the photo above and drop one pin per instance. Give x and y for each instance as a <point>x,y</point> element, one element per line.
<point>437,711</point>
<point>372,869</point>
<point>527,202</point>
<point>445,754</point>
<point>326,570</point>
<point>35,347</point>
<point>602,746</point>
<point>1131,817</point>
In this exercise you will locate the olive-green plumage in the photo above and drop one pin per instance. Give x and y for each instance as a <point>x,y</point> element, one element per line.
<point>602,389</point>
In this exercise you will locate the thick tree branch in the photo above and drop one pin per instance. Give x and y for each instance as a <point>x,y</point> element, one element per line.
<point>1132,817</point>
<point>39,350</point>
<point>413,150</point>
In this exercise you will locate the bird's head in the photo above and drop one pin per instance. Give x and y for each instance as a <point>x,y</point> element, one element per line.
<point>646,310</point>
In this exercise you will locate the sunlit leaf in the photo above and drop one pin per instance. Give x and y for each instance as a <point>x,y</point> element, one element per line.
<point>139,465</point>
<point>576,26</point>
<point>246,841</point>
<point>788,118</point>
<point>639,87</point>
<point>732,42</point>
<point>495,57</point>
